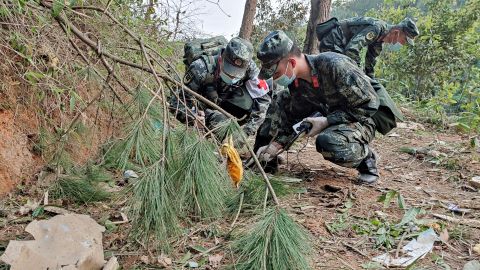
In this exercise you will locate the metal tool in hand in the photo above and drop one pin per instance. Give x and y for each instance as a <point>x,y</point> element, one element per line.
<point>300,128</point>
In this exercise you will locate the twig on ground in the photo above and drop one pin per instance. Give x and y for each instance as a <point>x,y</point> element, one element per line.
<point>463,221</point>
<point>397,252</point>
<point>239,210</point>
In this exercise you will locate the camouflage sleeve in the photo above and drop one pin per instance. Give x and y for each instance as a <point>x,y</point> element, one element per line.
<point>361,100</point>
<point>361,40</point>
<point>371,58</point>
<point>257,116</point>
<point>252,71</point>
<point>194,79</point>
<point>278,121</point>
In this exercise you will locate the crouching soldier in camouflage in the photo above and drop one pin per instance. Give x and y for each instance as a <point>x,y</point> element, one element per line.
<point>229,79</point>
<point>350,36</point>
<point>329,83</point>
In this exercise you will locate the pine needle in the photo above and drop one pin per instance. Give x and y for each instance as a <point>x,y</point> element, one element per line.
<point>253,188</point>
<point>203,184</point>
<point>227,128</point>
<point>275,242</point>
<point>82,186</point>
<point>142,143</point>
<point>154,212</point>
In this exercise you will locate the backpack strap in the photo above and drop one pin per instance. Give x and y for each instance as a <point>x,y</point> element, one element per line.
<point>209,61</point>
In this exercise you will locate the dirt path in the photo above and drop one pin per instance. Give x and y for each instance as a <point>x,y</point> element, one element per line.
<point>336,211</point>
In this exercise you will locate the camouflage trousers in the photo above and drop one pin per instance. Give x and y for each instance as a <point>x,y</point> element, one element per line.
<point>344,144</point>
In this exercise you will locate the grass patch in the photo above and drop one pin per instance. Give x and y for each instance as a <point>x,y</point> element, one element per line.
<point>82,186</point>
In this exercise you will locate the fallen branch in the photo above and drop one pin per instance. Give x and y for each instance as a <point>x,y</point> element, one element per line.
<point>150,69</point>
<point>462,221</point>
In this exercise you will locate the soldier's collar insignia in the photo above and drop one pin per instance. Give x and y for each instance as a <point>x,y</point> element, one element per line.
<point>188,77</point>
<point>370,35</point>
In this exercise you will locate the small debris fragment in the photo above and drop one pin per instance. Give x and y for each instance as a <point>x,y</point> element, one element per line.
<point>414,250</point>
<point>112,264</point>
<point>476,249</point>
<point>393,135</point>
<point>72,241</point>
<point>144,259</point>
<point>475,182</point>
<point>444,236</point>
<point>456,209</point>
<point>308,207</point>
<point>28,207</point>
<point>57,210</point>
<point>130,174</point>
<point>215,260</point>
<point>192,264</point>
<point>164,261</point>
<point>472,265</point>
<point>410,125</point>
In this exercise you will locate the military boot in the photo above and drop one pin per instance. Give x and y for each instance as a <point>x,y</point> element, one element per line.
<point>368,169</point>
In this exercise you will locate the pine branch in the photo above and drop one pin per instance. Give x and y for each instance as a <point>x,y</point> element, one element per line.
<point>62,19</point>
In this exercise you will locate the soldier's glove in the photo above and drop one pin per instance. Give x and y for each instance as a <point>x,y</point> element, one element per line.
<point>268,152</point>
<point>318,124</point>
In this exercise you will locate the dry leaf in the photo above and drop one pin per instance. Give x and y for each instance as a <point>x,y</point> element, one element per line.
<point>476,249</point>
<point>214,260</point>
<point>444,235</point>
<point>145,259</point>
<point>164,261</point>
<point>28,207</point>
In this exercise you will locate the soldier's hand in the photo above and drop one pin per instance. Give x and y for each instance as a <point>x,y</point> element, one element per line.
<point>268,152</point>
<point>318,124</point>
<point>200,119</point>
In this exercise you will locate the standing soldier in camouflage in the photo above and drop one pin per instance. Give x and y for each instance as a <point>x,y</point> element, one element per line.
<point>329,83</point>
<point>230,80</point>
<point>350,36</point>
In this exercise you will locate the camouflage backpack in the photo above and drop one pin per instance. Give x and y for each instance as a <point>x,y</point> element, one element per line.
<point>200,47</point>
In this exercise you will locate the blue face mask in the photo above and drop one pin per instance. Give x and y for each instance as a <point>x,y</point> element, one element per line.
<point>227,78</point>
<point>284,80</point>
<point>394,47</point>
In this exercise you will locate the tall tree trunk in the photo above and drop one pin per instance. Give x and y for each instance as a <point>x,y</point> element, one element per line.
<point>319,12</point>
<point>248,16</point>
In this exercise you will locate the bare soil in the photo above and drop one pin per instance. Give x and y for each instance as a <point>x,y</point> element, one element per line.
<point>329,204</point>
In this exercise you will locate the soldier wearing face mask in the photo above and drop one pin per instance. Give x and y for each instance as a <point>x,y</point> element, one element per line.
<point>230,80</point>
<point>350,36</point>
<point>352,108</point>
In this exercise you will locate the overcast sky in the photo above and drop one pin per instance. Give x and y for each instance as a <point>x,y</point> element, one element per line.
<point>215,22</point>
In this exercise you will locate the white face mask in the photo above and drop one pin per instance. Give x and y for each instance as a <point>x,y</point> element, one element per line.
<point>227,79</point>
<point>284,80</point>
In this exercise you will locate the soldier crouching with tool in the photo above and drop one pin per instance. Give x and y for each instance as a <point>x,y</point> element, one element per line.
<point>331,84</point>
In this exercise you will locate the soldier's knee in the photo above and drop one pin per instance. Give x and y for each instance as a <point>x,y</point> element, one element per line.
<point>336,148</point>
<point>327,141</point>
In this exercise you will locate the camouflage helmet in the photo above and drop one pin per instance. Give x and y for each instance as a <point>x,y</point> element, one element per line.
<point>236,57</point>
<point>274,47</point>
<point>410,29</point>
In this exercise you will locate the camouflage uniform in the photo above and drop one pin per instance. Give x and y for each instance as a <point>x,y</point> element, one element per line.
<point>349,100</point>
<point>343,94</point>
<point>350,36</point>
<point>248,98</point>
